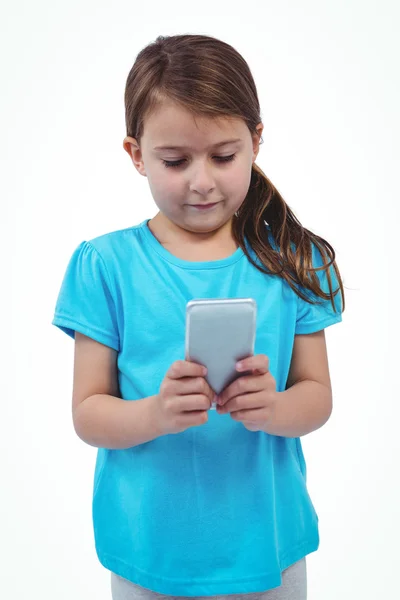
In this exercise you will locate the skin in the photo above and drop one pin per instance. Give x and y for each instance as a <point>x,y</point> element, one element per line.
<point>201,178</point>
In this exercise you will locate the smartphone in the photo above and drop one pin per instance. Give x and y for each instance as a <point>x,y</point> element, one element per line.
<point>219,333</point>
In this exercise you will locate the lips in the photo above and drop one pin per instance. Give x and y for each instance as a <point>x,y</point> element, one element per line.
<point>204,205</point>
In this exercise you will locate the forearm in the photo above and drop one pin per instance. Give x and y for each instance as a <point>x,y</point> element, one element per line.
<point>301,409</point>
<point>106,421</point>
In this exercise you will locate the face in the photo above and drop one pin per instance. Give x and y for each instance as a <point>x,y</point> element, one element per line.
<point>199,170</point>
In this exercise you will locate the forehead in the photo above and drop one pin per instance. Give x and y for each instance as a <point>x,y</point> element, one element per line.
<point>172,127</point>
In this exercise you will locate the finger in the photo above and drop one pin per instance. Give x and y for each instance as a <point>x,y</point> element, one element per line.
<point>253,417</point>
<point>258,363</point>
<point>244,402</point>
<point>186,368</point>
<point>193,403</point>
<point>191,385</point>
<point>243,385</point>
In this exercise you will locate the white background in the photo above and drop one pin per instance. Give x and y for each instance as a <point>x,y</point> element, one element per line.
<point>327,74</point>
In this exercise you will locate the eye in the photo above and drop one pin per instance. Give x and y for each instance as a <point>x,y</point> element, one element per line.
<point>177,163</point>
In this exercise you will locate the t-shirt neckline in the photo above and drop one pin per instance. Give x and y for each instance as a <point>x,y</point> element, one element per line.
<point>188,264</point>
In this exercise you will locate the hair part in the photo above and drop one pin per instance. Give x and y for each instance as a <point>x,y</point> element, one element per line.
<point>209,78</point>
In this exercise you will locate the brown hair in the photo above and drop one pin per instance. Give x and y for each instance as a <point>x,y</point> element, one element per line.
<point>208,77</point>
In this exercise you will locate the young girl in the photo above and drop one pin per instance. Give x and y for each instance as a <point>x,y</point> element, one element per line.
<point>189,502</point>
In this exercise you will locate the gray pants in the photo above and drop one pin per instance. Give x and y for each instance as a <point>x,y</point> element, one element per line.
<point>294,587</point>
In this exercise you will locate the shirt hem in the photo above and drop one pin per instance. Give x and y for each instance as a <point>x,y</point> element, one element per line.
<point>69,325</point>
<point>244,585</point>
<point>315,326</point>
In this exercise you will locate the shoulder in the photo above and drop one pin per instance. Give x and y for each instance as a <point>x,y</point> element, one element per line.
<point>108,243</point>
<point>116,249</point>
<point>108,256</point>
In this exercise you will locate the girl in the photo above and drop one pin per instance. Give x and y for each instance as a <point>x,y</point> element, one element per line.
<point>189,502</point>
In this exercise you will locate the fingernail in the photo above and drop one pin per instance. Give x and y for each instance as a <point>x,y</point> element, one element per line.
<point>239,366</point>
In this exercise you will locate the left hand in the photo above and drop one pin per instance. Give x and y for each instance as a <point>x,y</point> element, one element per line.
<point>251,399</point>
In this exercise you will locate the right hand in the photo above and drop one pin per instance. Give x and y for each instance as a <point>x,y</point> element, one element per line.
<point>184,398</point>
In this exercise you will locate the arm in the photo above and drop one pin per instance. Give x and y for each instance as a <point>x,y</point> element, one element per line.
<point>106,421</point>
<point>101,418</point>
<point>306,404</point>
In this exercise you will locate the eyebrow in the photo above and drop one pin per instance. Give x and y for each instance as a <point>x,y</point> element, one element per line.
<point>187,147</point>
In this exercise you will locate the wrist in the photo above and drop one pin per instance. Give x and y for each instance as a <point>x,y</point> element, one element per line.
<point>274,418</point>
<point>301,409</point>
<point>153,416</point>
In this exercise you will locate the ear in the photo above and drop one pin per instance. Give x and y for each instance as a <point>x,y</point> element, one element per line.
<point>256,140</point>
<point>133,149</point>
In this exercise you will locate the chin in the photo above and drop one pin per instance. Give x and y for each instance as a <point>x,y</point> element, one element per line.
<point>206,226</point>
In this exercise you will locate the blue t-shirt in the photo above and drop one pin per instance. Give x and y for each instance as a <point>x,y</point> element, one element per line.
<point>216,509</point>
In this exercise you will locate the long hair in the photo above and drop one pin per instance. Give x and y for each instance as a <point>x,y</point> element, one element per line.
<point>209,78</point>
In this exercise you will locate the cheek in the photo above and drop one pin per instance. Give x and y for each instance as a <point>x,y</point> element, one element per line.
<point>168,193</point>
<point>237,186</point>
<point>164,188</point>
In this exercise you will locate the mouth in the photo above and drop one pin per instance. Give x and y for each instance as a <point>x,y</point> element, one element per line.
<point>203,206</point>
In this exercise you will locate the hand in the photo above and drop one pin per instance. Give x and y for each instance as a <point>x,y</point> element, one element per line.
<point>184,398</point>
<point>251,399</point>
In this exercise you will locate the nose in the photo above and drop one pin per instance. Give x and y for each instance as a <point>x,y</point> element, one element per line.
<point>202,180</point>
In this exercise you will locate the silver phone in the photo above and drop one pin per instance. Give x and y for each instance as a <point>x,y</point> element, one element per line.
<point>220,332</point>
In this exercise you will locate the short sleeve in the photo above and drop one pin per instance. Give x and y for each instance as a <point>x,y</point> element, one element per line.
<point>314,317</point>
<point>85,302</point>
